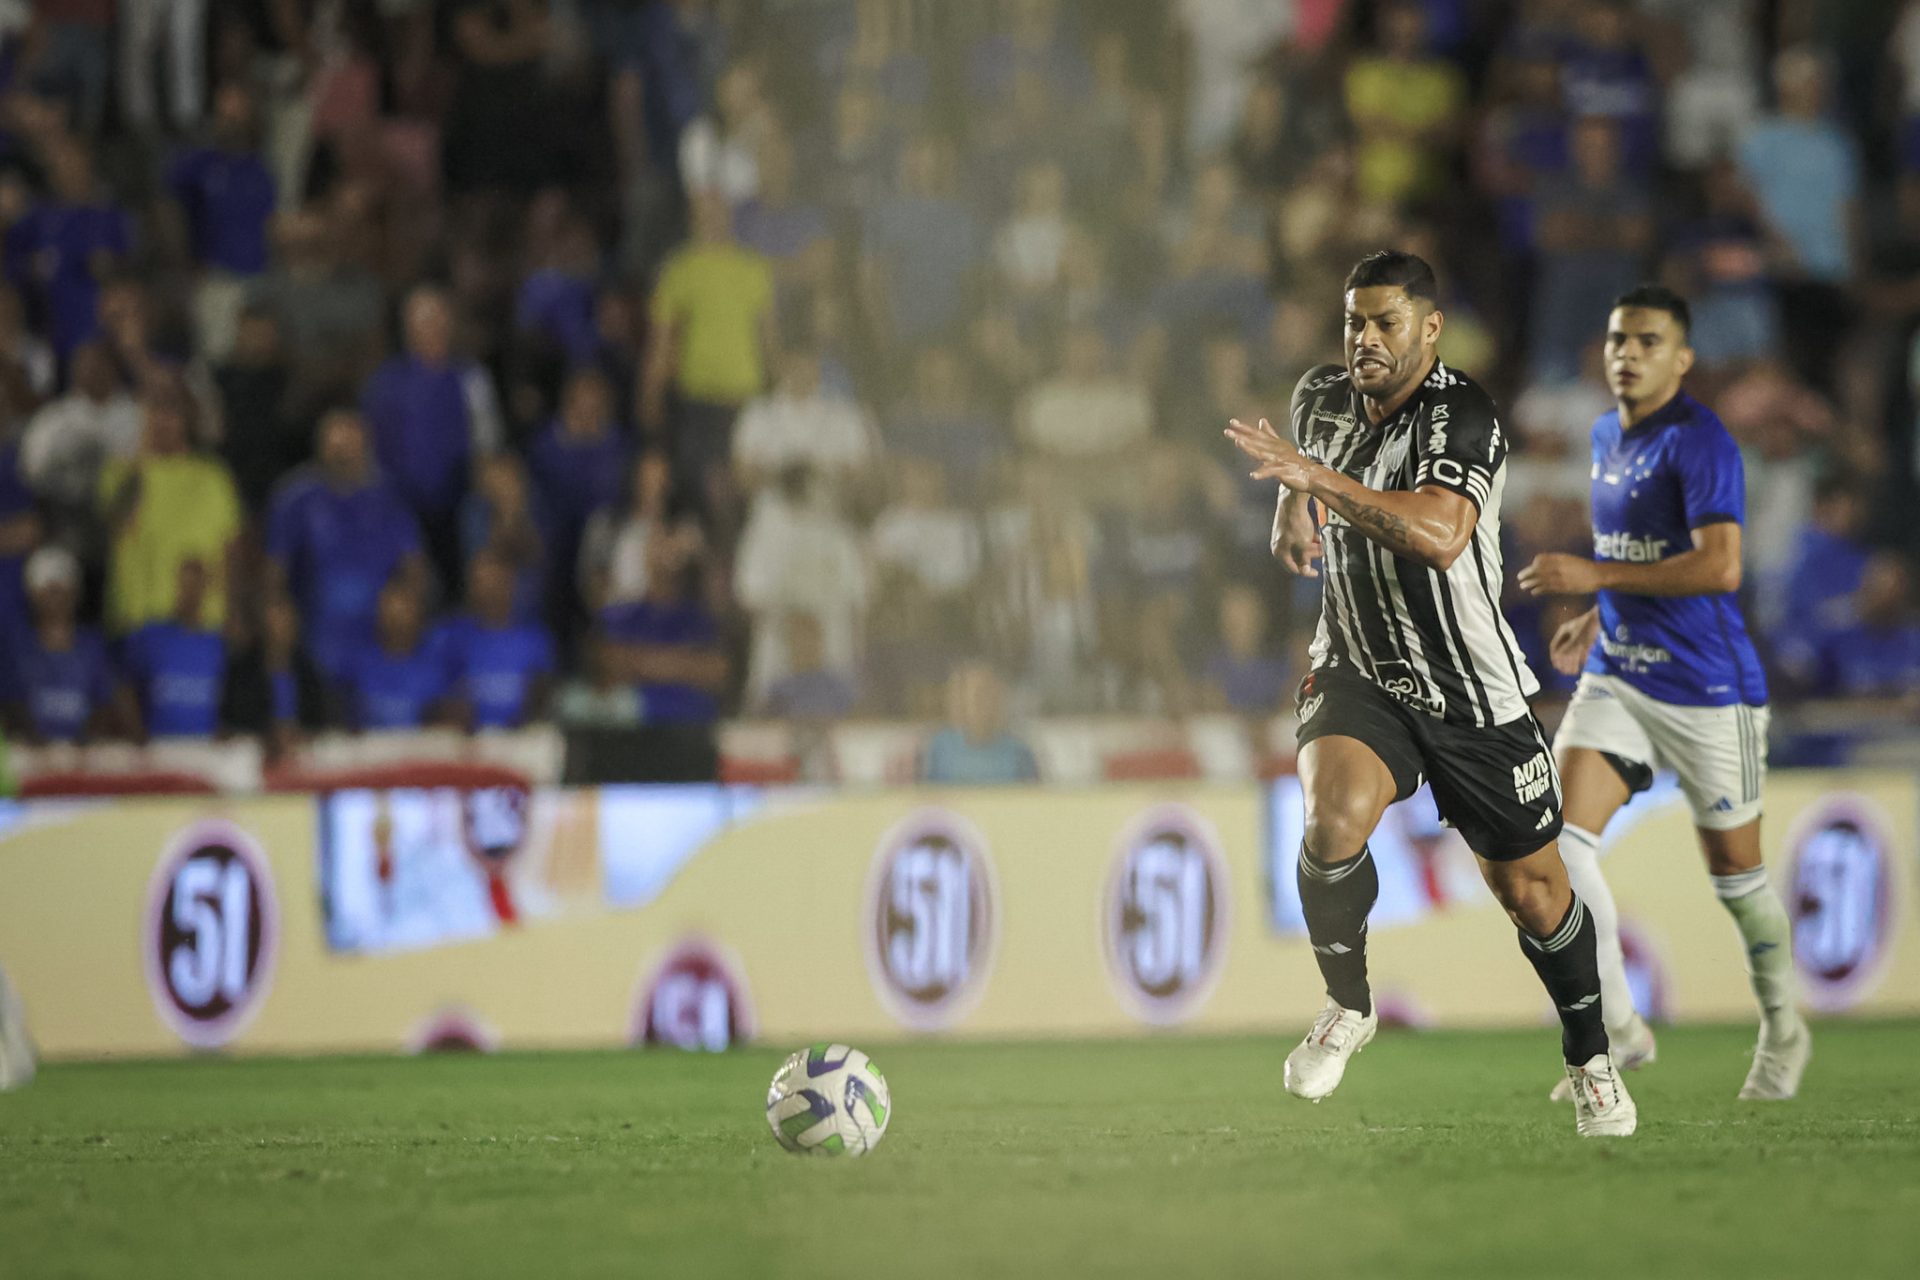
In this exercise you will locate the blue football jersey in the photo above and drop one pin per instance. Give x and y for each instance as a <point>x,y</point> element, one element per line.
<point>1674,472</point>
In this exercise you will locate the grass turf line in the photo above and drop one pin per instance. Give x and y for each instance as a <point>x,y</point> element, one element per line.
<point>1439,1156</point>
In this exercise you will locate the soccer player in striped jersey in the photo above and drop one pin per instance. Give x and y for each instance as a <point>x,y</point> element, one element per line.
<point>1668,676</point>
<point>1416,677</point>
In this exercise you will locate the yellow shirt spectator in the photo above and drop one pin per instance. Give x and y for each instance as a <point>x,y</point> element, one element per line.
<point>170,509</point>
<point>715,298</point>
<point>1401,111</point>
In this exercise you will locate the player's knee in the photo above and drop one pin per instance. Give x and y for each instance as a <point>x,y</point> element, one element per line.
<point>1529,898</point>
<point>1338,830</point>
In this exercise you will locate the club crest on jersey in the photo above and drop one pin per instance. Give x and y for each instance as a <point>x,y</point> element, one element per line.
<point>1531,780</point>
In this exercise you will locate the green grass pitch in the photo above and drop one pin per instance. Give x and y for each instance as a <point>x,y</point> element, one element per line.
<point>1158,1157</point>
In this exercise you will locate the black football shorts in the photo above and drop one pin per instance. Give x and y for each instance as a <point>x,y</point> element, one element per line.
<point>1497,787</point>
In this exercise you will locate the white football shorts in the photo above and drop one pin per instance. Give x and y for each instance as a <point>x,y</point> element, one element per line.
<point>1719,753</point>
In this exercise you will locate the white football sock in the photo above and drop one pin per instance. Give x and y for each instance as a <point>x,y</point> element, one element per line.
<point>1580,850</point>
<point>1767,936</point>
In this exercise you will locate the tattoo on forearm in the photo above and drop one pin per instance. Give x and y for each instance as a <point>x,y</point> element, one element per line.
<point>1383,526</point>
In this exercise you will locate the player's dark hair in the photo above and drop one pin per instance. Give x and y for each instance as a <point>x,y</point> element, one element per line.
<point>1408,272</point>
<point>1657,297</point>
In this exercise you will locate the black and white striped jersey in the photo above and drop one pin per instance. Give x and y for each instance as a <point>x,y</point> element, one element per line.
<point>1436,641</point>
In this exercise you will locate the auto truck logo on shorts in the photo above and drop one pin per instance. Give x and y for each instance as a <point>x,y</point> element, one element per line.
<point>1165,914</point>
<point>1841,899</point>
<point>212,933</point>
<point>1531,780</point>
<point>932,919</point>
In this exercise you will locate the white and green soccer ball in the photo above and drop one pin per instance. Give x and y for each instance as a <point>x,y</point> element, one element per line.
<point>829,1100</point>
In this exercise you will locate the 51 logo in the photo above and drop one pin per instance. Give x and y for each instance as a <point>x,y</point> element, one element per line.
<point>1165,916</point>
<point>932,919</point>
<point>212,933</point>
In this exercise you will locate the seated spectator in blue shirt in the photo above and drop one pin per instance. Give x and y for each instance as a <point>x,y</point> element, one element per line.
<point>667,643</point>
<point>336,533</point>
<point>60,249</point>
<point>810,691</point>
<point>178,667</point>
<point>399,681</point>
<point>429,414</point>
<point>503,515</point>
<point>224,190</point>
<point>1245,676</point>
<point>60,687</point>
<point>977,748</point>
<point>1875,655</point>
<point>502,668</point>
<point>1828,561</point>
<point>578,464</point>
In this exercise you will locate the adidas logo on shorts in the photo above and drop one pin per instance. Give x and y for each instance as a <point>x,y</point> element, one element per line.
<point>1722,805</point>
<point>1546,820</point>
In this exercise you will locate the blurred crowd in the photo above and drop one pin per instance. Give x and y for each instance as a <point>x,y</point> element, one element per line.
<point>384,363</point>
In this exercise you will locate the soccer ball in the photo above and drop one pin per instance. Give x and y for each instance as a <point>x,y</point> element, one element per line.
<point>828,1100</point>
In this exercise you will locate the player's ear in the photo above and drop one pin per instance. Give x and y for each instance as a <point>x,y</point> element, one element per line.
<point>1683,361</point>
<point>1430,327</point>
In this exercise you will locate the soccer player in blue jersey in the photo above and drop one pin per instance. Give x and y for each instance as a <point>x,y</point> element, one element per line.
<point>1668,677</point>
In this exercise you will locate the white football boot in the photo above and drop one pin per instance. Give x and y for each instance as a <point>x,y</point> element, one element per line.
<point>1632,1049</point>
<point>1778,1063</point>
<point>1601,1107</point>
<point>1315,1066</point>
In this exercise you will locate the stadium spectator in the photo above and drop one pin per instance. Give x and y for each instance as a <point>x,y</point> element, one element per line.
<point>920,244</point>
<point>60,249</point>
<point>667,643</point>
<point>261,439</point>
<point>1244,676</point>
<point>331,310</point>
<point>162,508</point>
<point>59,685</point>
<point>811,693</point>
<point>613,548</point>
<point>178,665</point>
<point>802,424</point>
<point>430,414</point>
<point>226,197</point>
<point>1228,43</point>
<point>21,529</point>
<point>797,553</point>
<point>501,515</point>
<point>941,423</point>
<point>713,337</point>
<point>975,747</point>
<point>1829,558</point>
<point>501,129</point>
<point>1804,171</point>
<point>554,310</point>
<point>502,665</point>
<point>1042,608</point>
<point>925,537</point>
<point>1721,260</point>
<point>71,439</point>
<point>336,533</point>
<point>1406,106</point>
<point>75,60</point>
<point>1605,74</point>
<point>1595,227</point>
<point>597,698</point>
<point>1030,248</point>
<point>579,466</point>
<point>396,680</point>
<point>720,151</point>
<point>1085,410</point>
<point>1875,653</point>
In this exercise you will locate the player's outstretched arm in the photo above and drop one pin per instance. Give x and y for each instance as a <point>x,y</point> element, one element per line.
<point>1430,525</point>
<point>1296,539</point>
<point>1711,568</point>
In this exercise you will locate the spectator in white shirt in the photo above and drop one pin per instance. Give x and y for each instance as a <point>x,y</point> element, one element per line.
<point>801,424</point>
<point>68,440</point>
<point>720,153</point>
<point>1084,411</point>
<point>924,536</point>
<point>798,554</point>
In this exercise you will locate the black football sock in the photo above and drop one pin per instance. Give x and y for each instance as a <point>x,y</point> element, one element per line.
<point>1335,898</point>
<point>1568,962</point>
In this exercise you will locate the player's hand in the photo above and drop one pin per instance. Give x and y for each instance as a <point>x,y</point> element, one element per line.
<point>1296,539</point>
<point>1554,574</point>
<point>1572,641</point>
<point>1276,459</point>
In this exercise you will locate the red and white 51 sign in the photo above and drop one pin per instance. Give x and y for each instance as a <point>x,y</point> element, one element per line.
<point>212,933</point>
